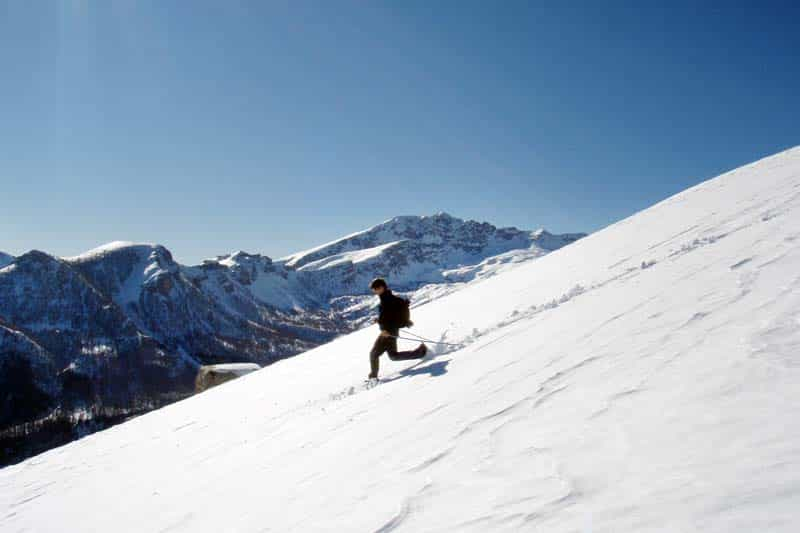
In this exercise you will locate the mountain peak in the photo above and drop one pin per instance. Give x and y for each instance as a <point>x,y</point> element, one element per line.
<point>117,247</point>
<point>36,256</point>
<point>442,215</point>
<point>440,229</point>
<point>240,257</point>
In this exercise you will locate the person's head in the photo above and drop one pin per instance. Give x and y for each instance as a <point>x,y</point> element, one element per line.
<point>378,285</point>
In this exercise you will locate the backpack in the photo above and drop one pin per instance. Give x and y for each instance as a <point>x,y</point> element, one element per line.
<point>404,313</point>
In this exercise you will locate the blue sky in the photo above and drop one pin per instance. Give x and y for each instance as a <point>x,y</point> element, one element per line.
<point>275,126</point>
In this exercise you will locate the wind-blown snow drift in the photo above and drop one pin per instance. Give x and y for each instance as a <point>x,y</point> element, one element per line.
<point>645,378</point>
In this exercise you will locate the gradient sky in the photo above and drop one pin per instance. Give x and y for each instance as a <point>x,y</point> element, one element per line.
<point>275,126</point>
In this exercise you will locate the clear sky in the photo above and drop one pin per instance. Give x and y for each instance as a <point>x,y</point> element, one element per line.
<point>275,126</point>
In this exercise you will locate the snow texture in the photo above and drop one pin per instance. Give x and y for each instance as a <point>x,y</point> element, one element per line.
<point>645,378</point>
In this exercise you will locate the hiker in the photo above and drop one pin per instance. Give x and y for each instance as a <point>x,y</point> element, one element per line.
<point>393,316</point>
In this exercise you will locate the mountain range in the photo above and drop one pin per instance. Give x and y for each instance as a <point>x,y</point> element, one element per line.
<point>123,328</point>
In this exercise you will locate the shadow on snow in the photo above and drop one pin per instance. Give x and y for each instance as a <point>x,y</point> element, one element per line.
<point>434,369</point>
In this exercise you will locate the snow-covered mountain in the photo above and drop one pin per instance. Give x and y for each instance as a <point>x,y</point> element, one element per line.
<point>67,344</point>
<point>205,312</point>
<point>125,324</point>
<point>424,257</point>
<point>643,379</point>
<point>415,250</point>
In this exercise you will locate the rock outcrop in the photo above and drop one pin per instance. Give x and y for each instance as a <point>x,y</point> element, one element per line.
<point>212,375</point>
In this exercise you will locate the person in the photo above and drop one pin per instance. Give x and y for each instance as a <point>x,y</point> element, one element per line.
<point>391,318</point>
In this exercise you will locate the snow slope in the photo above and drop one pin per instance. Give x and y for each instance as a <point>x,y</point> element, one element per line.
<point>238,307</point>
<point>643,379</point>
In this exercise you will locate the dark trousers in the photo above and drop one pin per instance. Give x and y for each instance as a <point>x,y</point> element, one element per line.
<point>389,345</point>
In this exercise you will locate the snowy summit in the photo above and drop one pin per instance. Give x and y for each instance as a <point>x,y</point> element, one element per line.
<point>644,378</point>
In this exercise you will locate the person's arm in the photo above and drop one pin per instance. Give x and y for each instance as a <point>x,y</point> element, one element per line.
<point>381,320</point>
<point>383,332</point>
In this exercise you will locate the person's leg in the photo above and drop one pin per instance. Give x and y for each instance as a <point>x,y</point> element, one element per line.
<point>418,353</point>
<point>394,355</point>
<point>377,349</point>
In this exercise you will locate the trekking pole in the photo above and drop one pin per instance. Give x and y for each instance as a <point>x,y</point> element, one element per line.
<point>424,340</point>
<point>420,337</point>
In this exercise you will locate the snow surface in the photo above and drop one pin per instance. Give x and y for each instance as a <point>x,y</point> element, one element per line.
<point>645,378</point>
<point>353,256</point>
<point>293,259</point>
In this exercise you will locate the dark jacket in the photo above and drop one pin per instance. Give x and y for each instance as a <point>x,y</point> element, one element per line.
<point>391,311</point>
